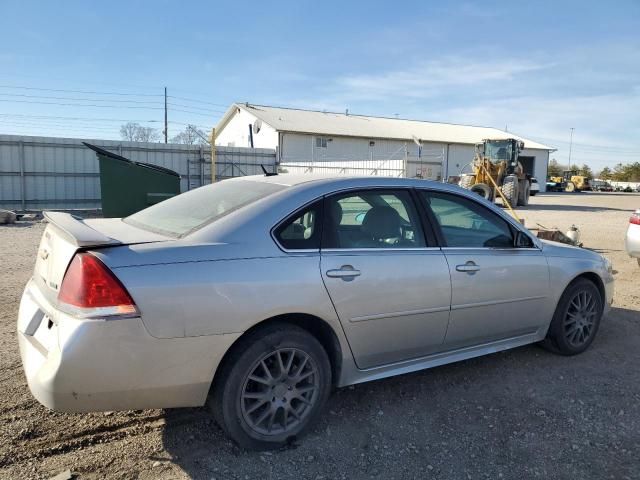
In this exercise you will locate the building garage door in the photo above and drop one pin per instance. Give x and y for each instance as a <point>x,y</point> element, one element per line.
<point>528,164</point>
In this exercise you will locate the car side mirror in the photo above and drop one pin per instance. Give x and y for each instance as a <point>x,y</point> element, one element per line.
<point>522,240</point>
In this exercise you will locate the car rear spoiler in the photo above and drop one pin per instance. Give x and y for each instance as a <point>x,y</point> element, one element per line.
<point>76,231</point>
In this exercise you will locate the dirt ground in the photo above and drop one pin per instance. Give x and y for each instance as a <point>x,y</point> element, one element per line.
<point>520,414</point>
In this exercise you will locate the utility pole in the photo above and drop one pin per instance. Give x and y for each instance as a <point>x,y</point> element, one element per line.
<point>570,145</point>
<point>214,166</point>
<point>166,127</point>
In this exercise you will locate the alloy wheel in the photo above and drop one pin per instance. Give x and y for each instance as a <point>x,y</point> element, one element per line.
<point>280,391</point>
<point>580,319</point>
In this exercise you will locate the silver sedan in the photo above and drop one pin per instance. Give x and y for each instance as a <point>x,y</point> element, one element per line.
<point>258,295</point>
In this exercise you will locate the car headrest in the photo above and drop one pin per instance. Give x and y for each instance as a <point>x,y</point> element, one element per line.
<point>335,213</point>
<point>382,222</point>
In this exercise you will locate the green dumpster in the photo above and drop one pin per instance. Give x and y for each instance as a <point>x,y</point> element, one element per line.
<point>128,187</point>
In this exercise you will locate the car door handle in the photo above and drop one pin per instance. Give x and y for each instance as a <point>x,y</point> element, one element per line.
<point>469,267</point>
<point>346,272</point>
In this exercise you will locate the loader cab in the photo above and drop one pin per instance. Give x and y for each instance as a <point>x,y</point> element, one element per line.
<point>507,151</point>
<point>567,175</point>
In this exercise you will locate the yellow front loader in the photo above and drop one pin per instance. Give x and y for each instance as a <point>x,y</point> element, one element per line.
<point>496,165</point>
<point>570,181</point>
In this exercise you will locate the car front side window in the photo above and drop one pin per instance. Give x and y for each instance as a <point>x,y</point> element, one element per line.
<point>372,219</point>
<point>466,224</point>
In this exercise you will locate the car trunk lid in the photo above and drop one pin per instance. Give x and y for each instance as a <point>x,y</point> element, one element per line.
<point>66,234</point>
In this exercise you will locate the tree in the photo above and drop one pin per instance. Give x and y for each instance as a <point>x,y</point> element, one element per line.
<point>190,136</point>
<point>627,173</point>
<point>585,170</point>
<point>606,174</point>
<point>554,170</point>
<point>134,132</point>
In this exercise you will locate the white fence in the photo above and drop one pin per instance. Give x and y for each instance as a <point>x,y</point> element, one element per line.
<point>60,173</point>
<point>426,166</point>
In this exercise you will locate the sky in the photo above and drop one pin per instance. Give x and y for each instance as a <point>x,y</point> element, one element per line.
<point>538,69</point>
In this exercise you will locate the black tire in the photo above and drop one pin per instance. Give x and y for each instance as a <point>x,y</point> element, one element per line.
<point>235,394</point>
<point>532,194</point>
<point>467,180</point>
<point>484,190</point>
<point>510,190</point>
<point>568,319</point>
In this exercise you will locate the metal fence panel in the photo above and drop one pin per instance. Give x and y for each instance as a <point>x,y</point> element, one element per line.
<point>426,165</point>
<point>60,173</point>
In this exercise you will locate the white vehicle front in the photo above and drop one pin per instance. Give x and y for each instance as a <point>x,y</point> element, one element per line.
<point>535,186</point>
<point>632,240</point>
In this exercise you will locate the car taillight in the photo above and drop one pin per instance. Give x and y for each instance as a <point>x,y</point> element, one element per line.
<point>90,289</point>
<point>635,219</point>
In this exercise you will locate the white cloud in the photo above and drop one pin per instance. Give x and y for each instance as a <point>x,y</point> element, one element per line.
<point>429,79</point>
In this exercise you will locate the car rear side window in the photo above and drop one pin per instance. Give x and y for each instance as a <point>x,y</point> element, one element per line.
<point>465,224</point>
<point>302,230</point>
<point>372,219</point>
<point>180,215</point>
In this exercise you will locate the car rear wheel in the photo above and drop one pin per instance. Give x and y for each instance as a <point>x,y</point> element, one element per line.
<point>576,319</point>
<point>272,387</point>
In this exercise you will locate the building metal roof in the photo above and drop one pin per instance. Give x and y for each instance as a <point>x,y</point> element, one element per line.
<point>349,125</point>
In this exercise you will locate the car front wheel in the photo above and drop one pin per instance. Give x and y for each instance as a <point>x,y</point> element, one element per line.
<point>271,387</point>
<point>576,319</point>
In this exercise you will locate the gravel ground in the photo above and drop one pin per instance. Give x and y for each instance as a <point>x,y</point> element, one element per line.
<point>520,414</point>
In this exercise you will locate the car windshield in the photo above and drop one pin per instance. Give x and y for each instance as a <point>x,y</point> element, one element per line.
<point>183,214</point>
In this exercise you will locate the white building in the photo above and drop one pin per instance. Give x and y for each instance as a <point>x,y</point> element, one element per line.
<point>319,141</point>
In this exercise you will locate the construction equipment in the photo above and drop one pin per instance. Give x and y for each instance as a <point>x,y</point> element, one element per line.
<point>496,170</point>
<point>570,181</point>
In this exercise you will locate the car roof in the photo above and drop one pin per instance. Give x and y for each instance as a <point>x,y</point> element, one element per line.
<point>300,189</point>
<point>302,180</point>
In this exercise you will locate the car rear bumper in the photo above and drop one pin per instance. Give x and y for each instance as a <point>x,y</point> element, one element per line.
<point>95,365</point>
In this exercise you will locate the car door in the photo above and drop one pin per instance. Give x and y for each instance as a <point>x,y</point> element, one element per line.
<point>391,290</point>
<point>498,291</point>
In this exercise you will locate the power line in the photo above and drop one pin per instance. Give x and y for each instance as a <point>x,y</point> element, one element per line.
<point>198,101</point>
<point>588,145</point>
<point>196,108</point>
<point>22,130</point>
<point>46,97</point>
<point>78,118</point>
<point>81,105</point>
<point>91,92</point>
<point>189,111</point>
<point>55,125</point>
<point>47,122</point>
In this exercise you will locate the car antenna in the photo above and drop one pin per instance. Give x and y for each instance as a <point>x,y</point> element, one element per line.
<point>268,174</point>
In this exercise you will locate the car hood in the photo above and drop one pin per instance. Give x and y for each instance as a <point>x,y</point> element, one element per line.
<point>557,249</point>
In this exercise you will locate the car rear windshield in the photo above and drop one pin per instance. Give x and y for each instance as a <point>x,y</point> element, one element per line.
<point>185,213</point>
